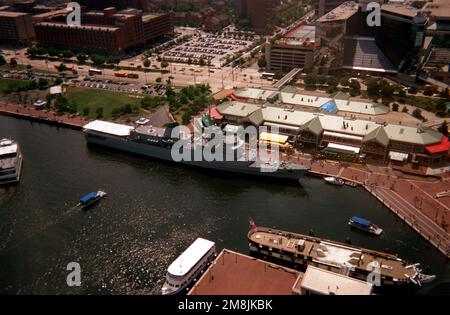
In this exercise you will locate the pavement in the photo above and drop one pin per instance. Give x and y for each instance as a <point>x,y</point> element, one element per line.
<point>67,120</point>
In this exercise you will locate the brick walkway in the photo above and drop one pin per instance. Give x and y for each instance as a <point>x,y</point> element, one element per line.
<point>411,199</point>
<point>42,115</point>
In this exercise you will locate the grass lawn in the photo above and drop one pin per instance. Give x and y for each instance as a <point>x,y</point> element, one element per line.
<point>4,83</point>
<point>428,103</point>
<point>95,98</point>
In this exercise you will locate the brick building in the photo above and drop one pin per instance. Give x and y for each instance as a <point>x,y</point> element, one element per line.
<point>297,49</point>
<point>111,30</point>
<point>16,27</point>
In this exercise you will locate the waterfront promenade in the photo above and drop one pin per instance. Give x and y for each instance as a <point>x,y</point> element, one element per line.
<point>71,121</point>
<point>411,198</point>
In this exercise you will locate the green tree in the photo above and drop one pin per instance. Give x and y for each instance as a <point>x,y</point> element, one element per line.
<point>67,54</point>
<point>86,111</point>
<point>147,63</point>
<point>322,79</point>
<point>164,64</point>
<point>443,128</point>
<point>13,62</point>
<point>395,107</point>
<point>49,98</point>
<point>373,88</point>
<point>310,80</point>
<point>262,63</point>
<point>429,90</point>
<point>2,60</point>
<point>116,113</point>
<point>72,107</point>
<point>332,81</point>
<point>98,60</point>
<point>61,103</point>
<point>387,91</point>
<point>417,113</point>
<point>82,58</point>
<point>99,112</point>
<point>42,83</point>
<point>62,67</point>
<point>413,90</point>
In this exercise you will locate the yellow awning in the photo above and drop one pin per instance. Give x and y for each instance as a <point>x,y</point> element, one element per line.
<point>272,137</point>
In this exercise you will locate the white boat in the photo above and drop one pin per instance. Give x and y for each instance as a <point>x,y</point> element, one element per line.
<point>334,180</point>
<point>10,162</point>
<point>189,266</point>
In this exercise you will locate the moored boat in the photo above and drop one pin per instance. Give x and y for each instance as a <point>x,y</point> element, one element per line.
<point>159,143</point>
<point>334,180</point>
<point>91,198</point>
<point>364,225</point>
<point>11,160</point>
<point>188,267</point>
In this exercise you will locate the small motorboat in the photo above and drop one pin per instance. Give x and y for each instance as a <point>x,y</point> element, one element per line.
<point>364,225</point>
<point>91,198</point>
<point>334,180</point>
<point>351,184</point>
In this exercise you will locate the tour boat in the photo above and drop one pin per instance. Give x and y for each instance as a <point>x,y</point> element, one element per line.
<point>188,267</point>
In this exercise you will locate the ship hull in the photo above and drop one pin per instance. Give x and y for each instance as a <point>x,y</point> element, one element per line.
<point>164,153</point>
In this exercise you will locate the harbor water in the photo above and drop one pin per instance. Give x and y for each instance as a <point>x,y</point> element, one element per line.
<point>153,211</point>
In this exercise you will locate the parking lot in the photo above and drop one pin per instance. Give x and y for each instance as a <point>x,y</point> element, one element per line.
<point>120,86</point>
<point>209,47</point>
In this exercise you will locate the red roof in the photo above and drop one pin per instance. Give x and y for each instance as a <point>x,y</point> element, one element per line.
<point>215,114</point>
<point>444,146</point>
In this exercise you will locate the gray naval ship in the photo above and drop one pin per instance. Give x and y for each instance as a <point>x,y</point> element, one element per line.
<point>158,143</point>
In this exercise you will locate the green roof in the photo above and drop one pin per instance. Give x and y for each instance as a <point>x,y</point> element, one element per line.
<point>378,135</point>
<point>314,126</point>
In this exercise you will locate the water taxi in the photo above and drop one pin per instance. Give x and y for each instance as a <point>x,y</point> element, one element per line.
<point>364,225</point>
<point>91,198</point>
<point>188,267</point>
<point>11,160</point>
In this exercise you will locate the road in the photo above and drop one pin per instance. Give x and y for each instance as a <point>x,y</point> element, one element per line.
<point>183,74</point>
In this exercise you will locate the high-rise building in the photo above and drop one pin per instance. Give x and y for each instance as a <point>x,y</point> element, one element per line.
<point>297,49</point>
<point>258,12</point>
<point>324,6</point>
<point>16,27</point>
<point>401,33</point>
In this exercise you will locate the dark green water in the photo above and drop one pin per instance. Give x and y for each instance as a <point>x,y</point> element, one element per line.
<point>153,212</point>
